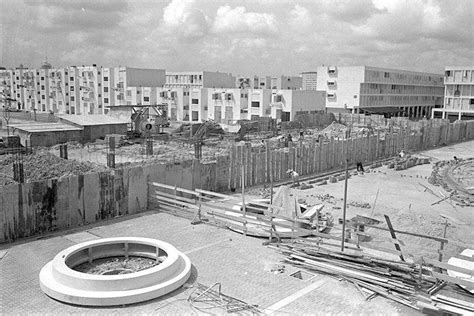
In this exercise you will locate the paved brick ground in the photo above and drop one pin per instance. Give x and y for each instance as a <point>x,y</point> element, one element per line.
<point>239,263</point>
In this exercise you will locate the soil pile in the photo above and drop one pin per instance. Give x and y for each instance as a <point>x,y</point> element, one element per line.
<point>44,165</point>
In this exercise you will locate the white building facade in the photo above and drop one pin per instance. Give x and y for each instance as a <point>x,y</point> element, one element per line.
<point>199,79</point>
<point>309,80</point>
<point>364,89</point>
<point>458,93</point>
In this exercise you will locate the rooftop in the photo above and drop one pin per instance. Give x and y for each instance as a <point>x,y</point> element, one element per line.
<point>45,127</point>
<point>89,120</point>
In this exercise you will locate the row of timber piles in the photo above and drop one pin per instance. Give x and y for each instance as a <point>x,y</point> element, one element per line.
<point>318,156</point>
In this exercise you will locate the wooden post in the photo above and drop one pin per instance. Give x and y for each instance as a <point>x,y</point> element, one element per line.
<point>345,205</point>
<point>244,209</point>
<point>394,237</point>
<point>441,246</point>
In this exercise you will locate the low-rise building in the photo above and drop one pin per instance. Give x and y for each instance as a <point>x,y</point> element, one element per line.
<point>364,89</point>
<point>458,93</point>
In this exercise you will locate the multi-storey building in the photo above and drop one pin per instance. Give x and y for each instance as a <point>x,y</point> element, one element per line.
<point>458,93</point>
<point>230,105</point>
<point>177,101</point>
<point>6,90</point>
<point>262,82</point>
<point>309,80</point>
<point>364,89</point>
<point>287,82</point>
<point>131,86</point>
<point>285,104</point>
<point>199,79</point>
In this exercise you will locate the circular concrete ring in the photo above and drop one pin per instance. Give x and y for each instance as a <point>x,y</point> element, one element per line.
<point>59,281</point>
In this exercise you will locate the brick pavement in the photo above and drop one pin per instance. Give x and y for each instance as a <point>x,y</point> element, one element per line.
<point>218,255</point>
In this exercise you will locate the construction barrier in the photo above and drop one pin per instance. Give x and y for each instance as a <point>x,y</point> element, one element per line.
<point>30,209</point>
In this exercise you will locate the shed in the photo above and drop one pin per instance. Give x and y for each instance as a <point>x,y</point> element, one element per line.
<point>46,134</point>
<point>95,126</point>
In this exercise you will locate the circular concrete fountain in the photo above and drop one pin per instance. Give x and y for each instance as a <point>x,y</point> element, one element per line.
<point>59,280</point>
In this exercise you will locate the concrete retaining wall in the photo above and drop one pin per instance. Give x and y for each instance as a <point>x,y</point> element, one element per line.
<point>35,208</point>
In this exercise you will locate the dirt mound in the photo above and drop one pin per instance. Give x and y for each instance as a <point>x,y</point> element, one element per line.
<point>335,129</point>
<point>44,165</point>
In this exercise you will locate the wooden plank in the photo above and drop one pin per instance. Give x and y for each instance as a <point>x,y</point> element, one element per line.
<point>443,298</point>
<point>161,199</point>
<point>177,197</point>
<point>171,187</point>
<point>439,239</point>
<point>451,279</point>
<point>394,237</point>
<point>449,267</point>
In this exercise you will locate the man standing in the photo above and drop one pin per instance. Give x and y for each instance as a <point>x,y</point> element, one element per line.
<point>294,176</point>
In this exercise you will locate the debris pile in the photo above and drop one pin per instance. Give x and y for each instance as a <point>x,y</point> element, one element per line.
<point>407,283</point>
<point>334,130</point>
<point>359,204</point>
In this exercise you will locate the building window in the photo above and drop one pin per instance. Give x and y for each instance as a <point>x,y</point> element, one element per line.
<point>195,101</point>
<point>255,104</point>
<point>106,89</point>
<point>386,75</point>
<point>106,78</point>
<point>146,99</point>
<point>129,93</point>
<point>42,78</point>
<point>72,88</point>
<point>71,78</point>
<point>72,98</point>
<point>106,100</point>
<point>42,97</point>
<point>195,115</point>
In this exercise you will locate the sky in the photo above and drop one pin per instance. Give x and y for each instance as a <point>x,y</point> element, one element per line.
<point>245,37</point>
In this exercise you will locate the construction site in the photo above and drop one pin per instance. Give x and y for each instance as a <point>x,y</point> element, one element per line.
<point>345,213</point>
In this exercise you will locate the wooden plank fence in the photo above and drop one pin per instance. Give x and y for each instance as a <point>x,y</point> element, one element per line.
<point>317,157</point>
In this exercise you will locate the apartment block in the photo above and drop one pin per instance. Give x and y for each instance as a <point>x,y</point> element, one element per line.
<point>458,93</point>
<point>178,102</point>
<point>6,87</point>
<point>126,86</point>
<point>287,82</point>
<point>309,80</point>
<point>364,89</point>
<point>228,105</point>
<point>199,79</point>
<point>285,104</point>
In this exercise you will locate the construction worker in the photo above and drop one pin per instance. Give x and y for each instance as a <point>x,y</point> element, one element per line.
<point>294,176</point>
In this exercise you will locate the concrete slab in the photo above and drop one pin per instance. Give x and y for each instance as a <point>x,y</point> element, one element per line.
<point>239,263</point>
<point>81,237</point>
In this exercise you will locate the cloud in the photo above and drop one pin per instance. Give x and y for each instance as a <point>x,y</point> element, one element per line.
<point>254,37</point>
<point>238,20</point>
<point>300,18</point>
<point>183,18</point>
